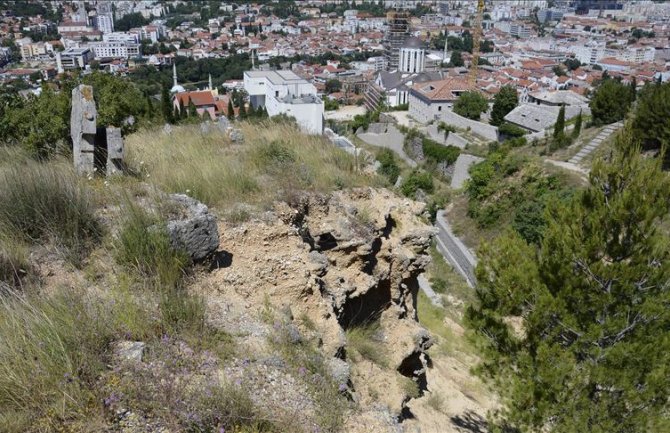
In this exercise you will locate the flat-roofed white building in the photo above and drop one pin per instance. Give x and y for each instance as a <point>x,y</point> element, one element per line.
<point>284,92</point>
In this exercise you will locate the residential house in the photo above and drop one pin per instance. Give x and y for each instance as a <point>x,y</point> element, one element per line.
<point>427,100</point>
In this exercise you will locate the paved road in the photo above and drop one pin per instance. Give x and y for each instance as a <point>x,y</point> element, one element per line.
<point>391,139</point>
<point>456,253</point>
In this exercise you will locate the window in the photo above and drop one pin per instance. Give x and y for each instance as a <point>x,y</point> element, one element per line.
<point>439,108</point>
<point>276,93</point>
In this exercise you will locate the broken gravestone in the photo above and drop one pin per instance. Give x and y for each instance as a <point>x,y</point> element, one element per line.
<point>94,149</point>
<point>192,228</point>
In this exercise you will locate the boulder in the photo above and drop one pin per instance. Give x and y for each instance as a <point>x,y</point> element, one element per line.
<point>193,228</point>
<point>236,135</point>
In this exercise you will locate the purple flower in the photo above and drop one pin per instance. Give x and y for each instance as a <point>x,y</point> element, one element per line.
<point>342,387</point>
<point>302,371</point>
<point>222,430</point>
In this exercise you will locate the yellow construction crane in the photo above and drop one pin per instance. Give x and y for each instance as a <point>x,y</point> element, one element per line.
<point>476,41</point>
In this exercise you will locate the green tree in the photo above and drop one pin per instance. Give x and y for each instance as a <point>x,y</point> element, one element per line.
<point>578,126</point>
<point>231,110</point>
<point>471,105</point>
<point>130,21</point>
<point>650,121</point>
<point>456,60</point>
<point>333,86</point>
<point>166,105</point>
<point>243,111</point>
<point>610,102</point>
<point>559,126</point>
<point>575,334</point>
<point>505,101</point>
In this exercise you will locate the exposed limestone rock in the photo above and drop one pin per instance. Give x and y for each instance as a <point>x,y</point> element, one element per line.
<point>129,350</point>
<point>192,227</point>
<point>339,262</point>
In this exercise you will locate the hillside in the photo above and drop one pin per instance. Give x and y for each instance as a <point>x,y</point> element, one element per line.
<point>307,317</point>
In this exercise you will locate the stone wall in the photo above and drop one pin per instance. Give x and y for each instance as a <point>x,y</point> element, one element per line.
<point>484,130</point>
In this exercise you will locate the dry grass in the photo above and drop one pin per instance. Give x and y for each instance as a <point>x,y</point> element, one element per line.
<point>274,162</point>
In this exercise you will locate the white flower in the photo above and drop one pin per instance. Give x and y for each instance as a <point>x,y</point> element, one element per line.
<point>147,174</point>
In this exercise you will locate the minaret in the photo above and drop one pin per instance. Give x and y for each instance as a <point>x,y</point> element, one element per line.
<point>210,82</point>
<point>174,75</point>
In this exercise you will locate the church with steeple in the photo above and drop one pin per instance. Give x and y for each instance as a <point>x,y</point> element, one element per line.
<point>205,103</point>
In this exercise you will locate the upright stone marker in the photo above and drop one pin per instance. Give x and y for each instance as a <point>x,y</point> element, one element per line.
<point>114,151</point>
<point>83,128</point>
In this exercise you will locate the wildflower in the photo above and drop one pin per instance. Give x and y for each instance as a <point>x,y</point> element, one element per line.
<point>222,430</point>
<point>302,371</point>
<point>342,387</point>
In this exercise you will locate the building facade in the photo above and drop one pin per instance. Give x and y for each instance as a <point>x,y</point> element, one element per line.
<point>284,92</point>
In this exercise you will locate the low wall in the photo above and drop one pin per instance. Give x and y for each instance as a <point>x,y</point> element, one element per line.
<point>456,253</point>
<point>484,130</point>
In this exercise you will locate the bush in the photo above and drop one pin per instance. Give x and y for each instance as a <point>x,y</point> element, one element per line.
<point>510,130</point>
<point>42,202</point>
<point>471,104</point>
<point>435,152</point>
<point>415,181</point>
<point>388,168</point>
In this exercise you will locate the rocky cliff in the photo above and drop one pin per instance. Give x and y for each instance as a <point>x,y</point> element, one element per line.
<point>328,269</point>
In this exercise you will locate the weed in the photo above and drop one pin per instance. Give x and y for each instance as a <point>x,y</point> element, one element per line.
<point>409,387</point>
<point>435,401</point>
<point>363,339</point>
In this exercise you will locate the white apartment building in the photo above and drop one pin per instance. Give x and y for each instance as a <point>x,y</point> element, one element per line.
<point>115,50</point>
<point>105,23</point>
<point>127,38</point>
<point>284,92</point>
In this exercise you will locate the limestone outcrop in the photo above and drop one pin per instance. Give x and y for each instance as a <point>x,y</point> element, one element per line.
<point>192,227</point>
<point>337,264</point>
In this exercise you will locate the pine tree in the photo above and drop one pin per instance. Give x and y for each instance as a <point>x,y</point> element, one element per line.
<point>559,126</point>
<point>575,334</point>
<point>633,88</point>
<point>166,106</point>
<point>231,110</point>
<point>578,126</point>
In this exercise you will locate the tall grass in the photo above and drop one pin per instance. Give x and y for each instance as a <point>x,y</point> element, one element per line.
<point>53,350</point>
<point>14,263</point>
<point>274,160</point>
<point>47,202</point>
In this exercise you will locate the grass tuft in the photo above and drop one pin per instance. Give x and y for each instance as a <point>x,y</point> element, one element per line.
<point>40,202</point>
<point>363,339</point>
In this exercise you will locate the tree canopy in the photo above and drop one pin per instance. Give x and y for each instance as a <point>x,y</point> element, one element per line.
<point>610,102</point>
<point>575,333</point>
<point>651,122</point>
<point>471,105</point>
<point>505,101</point>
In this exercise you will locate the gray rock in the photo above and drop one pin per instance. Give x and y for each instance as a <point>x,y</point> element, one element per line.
<point>236,135</point>
<point>194,229</point>
<point>339,370</point>
<point>167,129</point>
<point>398,182</point>
<point>223,124</point>
<point>129,350</point>
<point>204,127</point>
<point>293,334</point>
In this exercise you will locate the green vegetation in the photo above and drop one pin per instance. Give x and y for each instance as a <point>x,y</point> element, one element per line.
<point>47,202</point>
<point>276,162</point>
<point>471,105</point>
<point>388,166</point>
<point>510,189</point>
<point>610,102</point>
<point>575,333</point>
<point>364,341</point>
<point>505,101</point>
<point>650,122</point>
<point>437,153</point>
<point>417,180</point>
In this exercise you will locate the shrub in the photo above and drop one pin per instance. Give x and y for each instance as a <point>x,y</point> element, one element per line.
<point>388,166</point>
<point>415,181</point>
<point>437,153</point>
<point>510,130</point>
<point>41,202</point>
